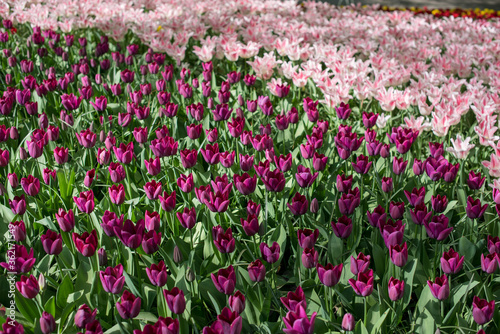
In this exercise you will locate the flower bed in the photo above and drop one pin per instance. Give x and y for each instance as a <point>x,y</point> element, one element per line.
<point>247,167</point>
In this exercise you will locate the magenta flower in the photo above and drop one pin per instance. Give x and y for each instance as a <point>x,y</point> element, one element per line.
<point>117,194</point>
<point>343,111</point>
<point>392,232</point>
<point>416,196</point>
<point>194,131</point>
<point>61,155</point>
<point>274,181</point>
<point>348,322</point>
<point>377,216</point>
<point>225,280</point>
<point>250,225</point>
<point>396,289</point>
<point>297,322</point>
<point>185,183</point>
<point>28,286</point>
<point>482,310</point>
<point>223,240</point>
<point>218,202</point>
<point>124,153</point>
<point>493,244</point>
<point>440,288</point>
<point>31,185</point>
<point>227,159</point>
<point>151,242</point>
<point>112,279</point>
<point>362,165</point>
<point>153,166</point>
<point>307,238</point>
<point>399,254</point>
<point>66,220</point>
<point>84,316</point>
<point>309,258</point>
<point>85,202</point>
<point>23,261</point>
<point>363,286</point>
<point>86,243</point>
<point>262,142</point>
<point>211,154</point>
<point>86,138</point>
<point>187,218</point>
<point>51,242</point>
<point>109,221</point>
<point>360,264</point>
<point>245,184</point>
<point>189,157</point>
<point>231,322</point>
<point>344,183</point>
<point>129,305</point>
<point>474,208</point>
<point>157,274</point>
<point>270,254</point>
<point>343,227</point>
<point>438,228</point>
<point>293,299</point>
<point>299,205</point>
<point>349,202</point>
<point>153,189</point>
<point>130,234</point>
<point>47,323</point>
<point>420,215</point>
<point>90,176</point>
<point>489,263</point>
<point>237,302</point>
<point>256,271</point>
<point>100,103</point>
<point>304,177</point>
<point>70,102</point>
<point>329,275</point>
<point>475,181</point>
<point>451,262</point>
<point>396,209</point>
<point>18,230</point>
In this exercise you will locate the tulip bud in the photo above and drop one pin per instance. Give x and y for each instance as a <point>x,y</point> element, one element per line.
<point>314,207</point>
<point>190,275</point>
<point>14,134</point>
<point>177,255</point>
<point>3,191</point>
<point>103,257</point>
<point>348,322</point>
<point>23,155</point>
<point>47,323</point>
<point>41,282</point>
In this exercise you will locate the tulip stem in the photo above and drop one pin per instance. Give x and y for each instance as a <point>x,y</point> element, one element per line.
<point>364,319</point>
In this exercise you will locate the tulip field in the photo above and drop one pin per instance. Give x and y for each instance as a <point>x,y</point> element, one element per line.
<point>244,166</point>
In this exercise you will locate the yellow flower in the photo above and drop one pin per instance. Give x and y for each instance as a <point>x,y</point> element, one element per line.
<point>159,28</point>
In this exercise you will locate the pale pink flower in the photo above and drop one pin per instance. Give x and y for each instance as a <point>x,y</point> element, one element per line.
<point>493,165</point>
<point>461,147</point>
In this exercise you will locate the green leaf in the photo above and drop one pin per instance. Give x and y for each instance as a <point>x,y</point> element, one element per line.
<point>27,307</point>
<point>147,317</point>
<point>409,274</point>
<point>466,248</point>
<point>380,322</point>
<point>360,328</point>
<point>50,305</point>
<point>63,291</point>
<point>335,249</point>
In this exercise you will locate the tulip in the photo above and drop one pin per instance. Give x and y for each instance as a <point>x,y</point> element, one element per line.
<point>274,181</point>
<point>223,241</point>
<point>129,234</point>
<point>211,154</point>
<point>493,244</point>
<point>23,261</point>
<point>28,286</point>
<point>489,263</point>
<point>129,305</point>
<point>117,194</point>
<point>343,227</point>
<point>329,275</point>
<point>85,202</point>
<point>250,225</point>
<point>297,322</point>
<point>270,254</point>
<point>151,242</point>
<point>157,274</point>
<point>399,254</point>
<point>348,322</point>
<point>18,230</point>
<point>187,218</point>
<point>451,262</point>
<point>293,299</point>
<point>185,183</point>
<point>440,288</point>
<point>66,220</point>
<point>256,271</point>
<point>112,279</point>
<point>349,202</point>
<point>227,159</point>
<point>377,217</point>
<point>396,289</point>
<point>31,185</point>
<point>47,323</point>
<point>153,166</point>
<point>18,205</point>
<point>188,158</point>
<point>310,258</point>
<point>392,232</point>
<point>362,165</point>
<point>153,189</point>
<point>231,322</point>
<point>416,196</point>
<point>86,243</point>
<point>474,208</point>
<point>307,238</point>
<point>482,310</point>
<point>299,205</point>
<point>84,316</point>
<point>343,111</point>
<point>344,183</point>
<point>194,131</point>
<point>360,264</point>
<point>51,242</point>
<point>363,286</point>
<point>225,280</point>
<point>438,228</point>
<point>218,202</point>
<point>304,177</point>
<point>237,302</point>
<point>475,181</point>
<point>109,221</point>
<point>61,155</point>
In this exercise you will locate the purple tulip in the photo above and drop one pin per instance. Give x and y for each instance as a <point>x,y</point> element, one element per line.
<point>130,234</point>
<point>439,203</point>
<point>28,286</point>
<point>86,243</point>
<point>343,227</point>
<point>256,271</point>
<point>18,230</point>
<point>451,262</point>
<point>363,286</point>
<point>270,254</point>
<point>474,208</point>
<point>225,280</point>
<point>438,228</point>
<point>343,111</point>
<point>396,289</point>
<point>310,258</point>
<point>348,322</point>
<point>23,261</point>
<point>297,322</point>
<point>31,185</point>
<point>489,263</point>
<point>175,300</point>
<point>299,205</point>
<point>419,215</point>
<point>344,183</point>
<point>112,279</point>
<point>223,240</point>
<point>157,274</point>
<point>188,158</point>
<point>440,288</point>
<point>293,299</point>
<point>360,264</point>
<point>85,202</point>
<point>399,166</point>
<point>237,302</point>
<point>377,216</point>
<point>482,310</point>
<point>396,209</point>
<point>66,220</point>
<point>349,202</point>
<point>250,225</point>
<point>416,196</point>
<point>47,323</point>
<point>167,201</point>
<point>245,184</point>
<point>307,238</point>
<point>187,218</point>
<point>392,232</point>
<point>399,254</point>
<point>274,181</point>
<point>151,242</point>
<point>493,244</point>
<point>117,194</point>
<point>329,275</point>
<point>129,305</point>
<point>475,181</point>
<point>51,242</point>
